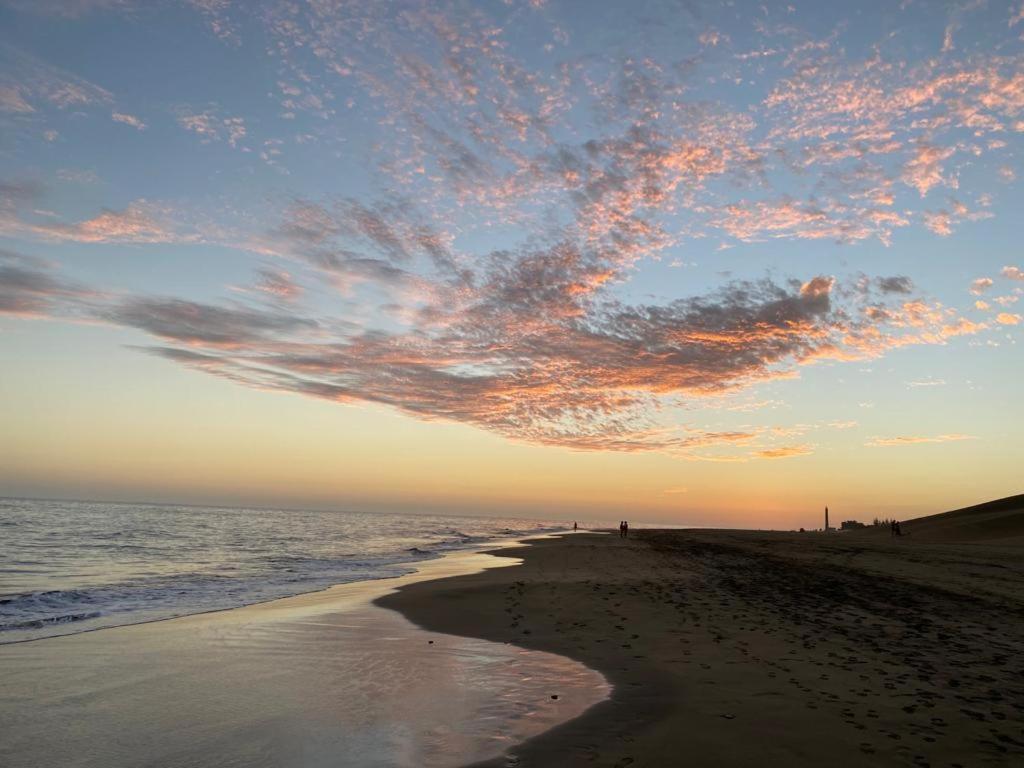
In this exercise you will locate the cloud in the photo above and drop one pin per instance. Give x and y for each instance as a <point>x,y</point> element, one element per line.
<point>896,284</point>
<point>13,99</point>
<point>27,83</point>
<point>489,285</point>
<point>123,117</point>
<point>139,222</point>
<point>274,285</point>
<point>29,288</point>
<point>1008,318</point>
<point>278,284</point>
<point>204,324</point>
<point>525,353</point>
<point>1012,273</point>
<point>134,224</point>
<point>514,361</point>
<point>883,442</point>
<point>980,285</point>
<point>924,170</point>
<point>216,14</point>
<point>77,176</point>
<point>939,222</point>
<point>68,8</point>
<point>784,452</point>
<point>211,127</point>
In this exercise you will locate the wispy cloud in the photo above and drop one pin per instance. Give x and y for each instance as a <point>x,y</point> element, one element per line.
<point>485,284</point>
<point>69,8</point>
<point>124,117</point>
<point>524,353</point>
<point>29,287</point>
<point>785,452</point>
<point>885,442</point>
<point>27,83</point>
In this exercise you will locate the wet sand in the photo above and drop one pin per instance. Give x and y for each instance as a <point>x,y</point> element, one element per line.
<point>732,648</point>
<point>322,679</point>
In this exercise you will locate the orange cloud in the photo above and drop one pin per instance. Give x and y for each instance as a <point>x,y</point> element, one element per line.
<point>784,452</point>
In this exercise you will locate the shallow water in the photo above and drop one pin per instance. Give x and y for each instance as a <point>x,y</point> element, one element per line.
<point>316,680</point>
<point>69,566</point>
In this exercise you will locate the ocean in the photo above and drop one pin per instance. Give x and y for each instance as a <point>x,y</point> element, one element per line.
<point>73,566</point>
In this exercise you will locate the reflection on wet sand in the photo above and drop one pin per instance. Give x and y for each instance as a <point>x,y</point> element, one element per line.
<point>320,679</point>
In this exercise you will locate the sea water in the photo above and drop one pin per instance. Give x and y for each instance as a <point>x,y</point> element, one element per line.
<point>71,566</point>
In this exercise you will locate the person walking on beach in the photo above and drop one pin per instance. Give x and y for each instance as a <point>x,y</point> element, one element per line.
<point>625,529</point>
<point>622,528</point>
<point>574,526</point>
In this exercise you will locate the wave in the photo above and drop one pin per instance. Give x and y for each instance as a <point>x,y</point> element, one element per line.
<point>204,575</point>
<point>49,621</point>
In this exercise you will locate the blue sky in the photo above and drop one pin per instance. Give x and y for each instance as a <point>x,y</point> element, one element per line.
<point>713,235</point>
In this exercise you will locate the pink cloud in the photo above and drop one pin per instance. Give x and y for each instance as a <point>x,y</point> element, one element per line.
<point>939,222</point>
<point>1013,273</point>
<point>139,222</point>
<point>209,126</point>
<point>924,170</point>
<point>980,285</point>
<point>13,100</point>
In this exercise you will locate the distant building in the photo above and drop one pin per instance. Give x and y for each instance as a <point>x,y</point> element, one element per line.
<point>851,525</point>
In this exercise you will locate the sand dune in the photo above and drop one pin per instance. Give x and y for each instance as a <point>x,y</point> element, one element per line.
<point>994,522</point>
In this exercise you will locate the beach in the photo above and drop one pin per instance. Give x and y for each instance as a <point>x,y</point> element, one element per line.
<point>732,648</point>
<point>704,647</point>
<point>319,679</point>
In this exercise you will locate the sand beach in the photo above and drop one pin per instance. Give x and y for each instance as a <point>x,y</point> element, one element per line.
<point>734,648</point>
<point>669,647</point>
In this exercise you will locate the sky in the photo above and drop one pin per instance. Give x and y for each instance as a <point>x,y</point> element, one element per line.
<point>680,262</point>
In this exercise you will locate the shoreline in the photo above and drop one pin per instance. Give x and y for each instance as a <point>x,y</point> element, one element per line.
<point>734,648</point>
<point>321,678</point>
<point>10,636</point>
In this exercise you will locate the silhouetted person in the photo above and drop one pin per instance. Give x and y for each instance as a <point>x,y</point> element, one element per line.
<point>625,529</point>
<point>622,528</point>
<point>892,527</point>
<point>574,526</point>
<point>896,524</point>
